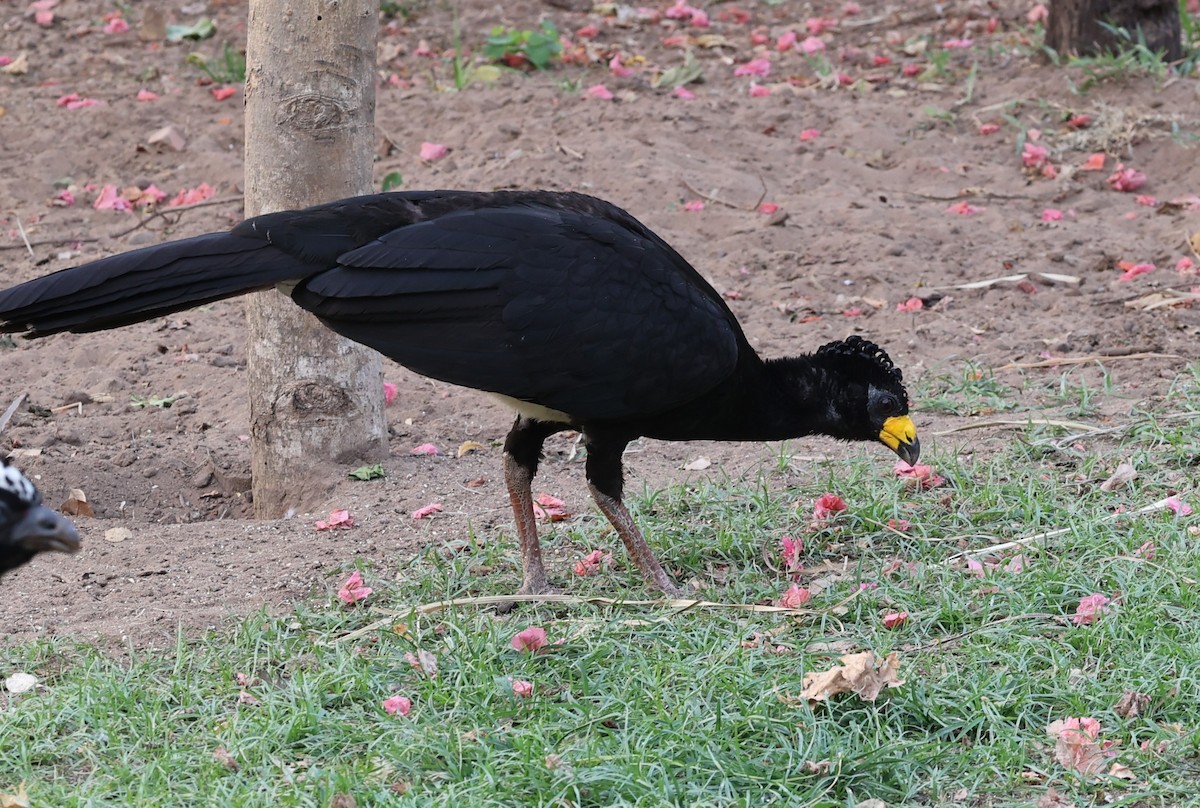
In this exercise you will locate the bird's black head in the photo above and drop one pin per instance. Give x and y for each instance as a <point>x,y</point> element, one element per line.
<point>867,396</point>
<point>26,526</point>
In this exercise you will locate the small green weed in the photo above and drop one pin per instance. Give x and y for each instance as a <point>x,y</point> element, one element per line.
<point>517,48</point>
<point>229,68</point>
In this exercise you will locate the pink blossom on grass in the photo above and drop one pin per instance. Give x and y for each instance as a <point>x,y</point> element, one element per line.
<point>426,511</point>
<point>1089,609</point>
<point>530,640</point>
<point>353,590</point>
<point>921,473</point>
<point>1126,179</point>
<point>790,550</point>
<point>397,705</point>
<point>1147,551</point>
<point>521,688</point>
<point>1077,745</point>
<point>592,563</point>
<point>431,152</point>
<point>550,508</point>
<point>795,597</point>
<point>340,519</point>
<point>1178,506</point>
<point>828,505</point>
<point>895,619</point>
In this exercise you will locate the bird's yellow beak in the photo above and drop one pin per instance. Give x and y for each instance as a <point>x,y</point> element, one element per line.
<point>899,433</point>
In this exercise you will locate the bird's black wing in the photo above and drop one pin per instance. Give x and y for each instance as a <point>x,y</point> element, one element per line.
<point>583,311</point>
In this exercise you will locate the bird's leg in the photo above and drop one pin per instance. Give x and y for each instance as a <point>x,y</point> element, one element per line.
<point>522,452</point>
<point>605,481</point>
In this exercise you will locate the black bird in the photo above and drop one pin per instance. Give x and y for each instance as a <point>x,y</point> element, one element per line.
<point>562,305</point>
<point>27,527</point>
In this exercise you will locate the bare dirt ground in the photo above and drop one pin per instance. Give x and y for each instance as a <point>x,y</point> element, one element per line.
<point>870,150</point>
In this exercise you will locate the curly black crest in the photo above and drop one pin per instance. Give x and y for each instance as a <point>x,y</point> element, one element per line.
<point>856,346</point>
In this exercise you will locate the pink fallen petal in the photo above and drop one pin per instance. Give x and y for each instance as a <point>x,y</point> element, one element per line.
<point>795,597</point>
<point>338,520</point>
<point>353,590</point>
<point>425,449</point>
<point>852,312</point>
<point>683,93</point>
<point>1095,162</point>
<point>912,304</point>
<point>756,67</point>
<point>146,95</point>
<point>222,93</point>
<point>592,563</point>
<point>965,208</point>
<point>599,91</point>
<point>695,206</point>
<point>786,41</point>
<point>1126,179</point>
<point>1052,215</point>
<point>1145,199</point>
<point>110,199</point>
<point>618,69</point>
<point>1033,155</point>
<point>790,549</point>
<point>851,8</point>
<point>1178,506</point>
<point>759,91</point>
<point>768,208</point>
<point>43,18</point>
<point>1090,607</point>
<point>1079,121</point>
<point>426,510</point>
<point>397,705</point>
<point>1147,551</point>
<point>1185,266</point>
<point>989,128</point>
<point>521,688</point>
<point>530,640</point>
<point>389,393</point>
<point>1135,270</point>
<point>810,134</point>
<point>900,525</point>
<point>550,508</point>
<point>1016,565</point>
<point>1038,13</point>
<point>812,45</point>
<point>920,472</point>
<point>828,505</point>
<point>951,44</point>
<point>248,699</point>
<point>192,196</point>
<point>433,151</point>
<point>819,25</point>
<point>116,26</point>
<point>588,32</point>
<point>74,101</point>
<point>66,199</point>
<point>894,619</point>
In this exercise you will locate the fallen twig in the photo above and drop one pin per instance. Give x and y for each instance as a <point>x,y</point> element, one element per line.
<point>12,408</point>
<point>164,212</point>
<point>46,242</point>
<point>1014,424</point>
<point>1082,360</point>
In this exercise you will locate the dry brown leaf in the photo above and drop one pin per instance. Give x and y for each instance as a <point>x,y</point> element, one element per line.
<point>863,674</point>
<point>221,755</point>
<point>19,66</point>
<point>1120,770</point>
<point>1123,474</point>
<point>468,446</point>
<point>1132,704</point>
<point>1077,745</point>
<point>343,800</point>
<point>1193,239</point>
<point>77,504</point>
<point>18,800</point>
<point>1052,799</point>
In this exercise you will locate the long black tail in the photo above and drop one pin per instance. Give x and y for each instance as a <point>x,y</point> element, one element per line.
<point>146,283</point>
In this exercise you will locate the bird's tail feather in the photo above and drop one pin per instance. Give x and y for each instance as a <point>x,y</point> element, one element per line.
<point>146,283</point>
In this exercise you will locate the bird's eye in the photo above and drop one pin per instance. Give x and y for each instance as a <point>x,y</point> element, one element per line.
<point>889,405</point>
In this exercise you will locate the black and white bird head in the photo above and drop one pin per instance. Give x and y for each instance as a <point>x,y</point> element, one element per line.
<point>27,527</point>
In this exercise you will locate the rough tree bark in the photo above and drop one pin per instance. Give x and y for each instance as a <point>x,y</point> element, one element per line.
<point>316,399</point>
<point>1074,26</point>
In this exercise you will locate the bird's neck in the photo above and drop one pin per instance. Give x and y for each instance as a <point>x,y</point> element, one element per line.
<point>772,400</point>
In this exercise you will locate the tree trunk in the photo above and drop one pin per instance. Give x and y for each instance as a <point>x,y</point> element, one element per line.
<point>1074,26</point>
<point>316,399</point>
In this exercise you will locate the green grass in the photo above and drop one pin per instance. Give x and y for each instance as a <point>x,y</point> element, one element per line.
<point>645,706</point>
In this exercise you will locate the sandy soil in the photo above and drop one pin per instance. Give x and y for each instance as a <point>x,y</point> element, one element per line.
<point>866,220</point>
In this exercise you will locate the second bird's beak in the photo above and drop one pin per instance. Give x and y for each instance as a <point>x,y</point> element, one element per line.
<point>43,529</point>
<point>900,435</point>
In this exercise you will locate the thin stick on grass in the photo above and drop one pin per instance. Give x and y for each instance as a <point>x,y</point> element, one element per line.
<point>1083,360</point>
<point>1014,424</point>
<point>1049,534</point>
